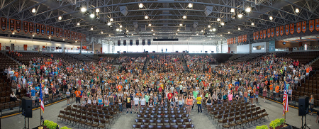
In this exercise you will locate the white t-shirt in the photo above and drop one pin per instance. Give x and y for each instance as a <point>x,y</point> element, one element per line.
<point>136,100</point>
<point>46,90</point>
<point>143,101</point>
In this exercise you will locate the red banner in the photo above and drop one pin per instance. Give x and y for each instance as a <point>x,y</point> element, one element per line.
<point>52,31</point>
<point>234,40</point>
<point>268,33</point>
<point>254,35</point>
<point>277,31</point>
<point>48,30</point>
<point>25,27</point>
<point>317,24</point>
<point>292,29</point>
<point>298,27</point>
<point>18,25</point>
<point>261,35</point>
<point>311,25</point>
<point>264,33</point>
<point>65,33</point>
<point>272,32</point>
<point>281,30</point>
<point>37,27</point>
<point>257,35</point>
<point>287,29</point>
<point>304,24</point>
<point>68,34</point>
<point>31,27</point>
<point>3,23</point>
<point>42,29</point>
<point>61,32</point>
<point>11,25</point>
<point>57,32</point>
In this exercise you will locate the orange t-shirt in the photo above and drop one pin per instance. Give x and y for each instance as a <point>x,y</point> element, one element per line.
<point>229,86</point>
<point>277,89</point>
<point>271,87</point>
<point>139,94</point>
<point>120,88</point>
<point>307,70</point>
<point>77,93</point>
<point>189,101</point>
<point>16,74</point>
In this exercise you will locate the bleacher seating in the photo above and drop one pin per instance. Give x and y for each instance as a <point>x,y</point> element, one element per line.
<point>6,62</point>
<point>27,56</point>
<point>248,57</point>
<point>303,57</point>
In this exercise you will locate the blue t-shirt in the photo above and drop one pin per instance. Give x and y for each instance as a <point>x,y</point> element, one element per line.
<point>33,92</point>
<point>37,88</point>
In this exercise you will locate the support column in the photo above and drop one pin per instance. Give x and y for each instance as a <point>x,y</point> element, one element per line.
<point>93,47</point>
<point>81,47</point>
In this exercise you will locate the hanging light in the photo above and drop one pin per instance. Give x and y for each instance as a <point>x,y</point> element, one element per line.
<point>153,33</point>
<point>297,10</point>
<point>238,28</point>
<point>78,24</point>
<point>270,18</point>
<point>202,31</point>
<point>127,31</point>
<point>97,10</point>
<point>232,10</point>
<point>50,37</point>
<point>208,26</point>
<point>197,34</point>
<point>140,5</point>
<point>33,36</point>
<point>63,39</point>
<point>248,9</point>
<point>218,19</point>
<point>190,5</point>
<point>176,33</point>
<point>252,24</point>
<point>132,34</point>
<point>222,23</point>
<point>109,23</point>
<point>120,30</point>
<point>101,32</point>
<point>83,9</point>
<point>117,29</point>
<point>33,10</point>
<point>92,15</point>
<point>111,19</point>
<point>13,33</point>
<point>91,28</point>
<point>180,24</point>
<point>76,41</point>
<point>152,30</point>
<point>150,24</point>
<point>120,26</point>
<point>221,35</point>
<point>210,30</point>
<point>60,18</point>
<point>214,29</point>
<point>240,15</point>
<point>228,32</point>
<point>177,29</point>
<point>146,17</point>
<point>184,17</point>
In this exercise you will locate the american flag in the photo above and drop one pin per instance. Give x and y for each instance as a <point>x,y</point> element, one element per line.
<point>41,98</point>
<point>285,99</point>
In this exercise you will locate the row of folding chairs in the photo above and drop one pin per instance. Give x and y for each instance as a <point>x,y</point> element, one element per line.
<point>86,121</point>
<point>243,119</point>
<point>163,116</point>
<point>187,126</point>
<point>163,122</point>
<point>161,112</point>
<point>223,115</point>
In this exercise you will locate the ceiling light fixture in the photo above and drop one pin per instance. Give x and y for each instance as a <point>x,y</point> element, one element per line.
<point>13,33</point>
<point>238,28</point>
<point>232,10</point>
<point>152,30</point>
<point>218,19</point>
<point>153,33</point>
<point>91,28</point>
<point>60,18</point>
<point>184,17</point>
<point>208,26</point>
<point>177,29</point>
<point>146,17</point>
<point>63,39</point>
<point>92,15</point>
<point>228,32</point>
<point>120,26</point>
<point>132,34</point>
<point>109,23</point>
<point>97,10</point>
<point>50,37</point>
<point>214,29</point>
<point>111,19</point>
<point>248,9</point>
<point>33,36</point>
<point>197,34</point>
<point>78,24</point>
<point>150,24</point>
<point>202,31</point>
<point>101,32</point>
<point>127,31</point>
<point>33,10</point>
<point>253,24</point>
<point>140,5</point>
<point>83,9</point>
<point>210,30</point>
<point>76,41</point>
<point>190,5</point>
<point>240,15</point>
<point>117,29</point>
<point>297,10</point>
<point>222,23</point>
<point>180,24</point>
<point>270,18</point>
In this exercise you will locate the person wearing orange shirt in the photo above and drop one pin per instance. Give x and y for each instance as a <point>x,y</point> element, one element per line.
<point>276,91</point>
<point>189,103</point>
<point>119,87</point>
<point>77,95</point>
<point>307,71</point>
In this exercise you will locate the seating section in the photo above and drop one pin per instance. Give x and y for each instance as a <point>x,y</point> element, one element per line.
<point>303,57</point>
<point>235,113</point>
<point>91,116</point>
<point>236,56</point>
<point>163,118</point>
<point>82,57</point>
<point>65,57</point>
<point>27,56</point>
<point>309,87</point>
<point>6,62</point>
<point>248,57</point>
<point>5,91</point>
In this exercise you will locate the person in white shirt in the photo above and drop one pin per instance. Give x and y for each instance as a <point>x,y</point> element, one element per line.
<point>46,93</point>
<point>143,101</point>
<point>136,101</point>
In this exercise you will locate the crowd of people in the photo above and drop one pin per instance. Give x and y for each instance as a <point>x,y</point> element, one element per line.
<point>164,81</point>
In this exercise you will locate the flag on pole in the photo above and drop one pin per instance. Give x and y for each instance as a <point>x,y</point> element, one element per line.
<point>41,98</point>
<point>285,99</point>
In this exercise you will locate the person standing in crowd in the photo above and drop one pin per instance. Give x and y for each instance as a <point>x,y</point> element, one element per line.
<point>199,103</point>
<point>77,95</point>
